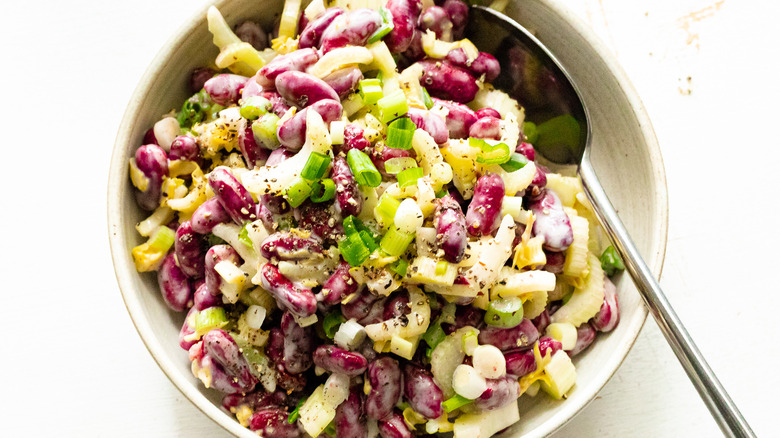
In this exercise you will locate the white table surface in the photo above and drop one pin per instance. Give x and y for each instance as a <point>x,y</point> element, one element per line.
<point>73,365</point>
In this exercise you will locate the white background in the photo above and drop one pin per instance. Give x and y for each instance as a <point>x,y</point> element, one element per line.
<point>71,363</point>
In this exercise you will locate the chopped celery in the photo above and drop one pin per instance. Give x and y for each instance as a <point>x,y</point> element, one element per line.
<point>148,256</point>
<point>370,90</point>
<point>255,107</point>
<point>208,319</point>
<point>393,106</point>
<point>264,130</point>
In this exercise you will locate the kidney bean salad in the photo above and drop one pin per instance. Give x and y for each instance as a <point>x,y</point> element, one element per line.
<point>360,232</point>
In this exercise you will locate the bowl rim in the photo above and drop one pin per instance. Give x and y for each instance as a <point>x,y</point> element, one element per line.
<point>120,257</point>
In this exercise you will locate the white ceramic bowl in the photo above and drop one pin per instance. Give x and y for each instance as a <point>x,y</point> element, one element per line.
<point>625,154</point>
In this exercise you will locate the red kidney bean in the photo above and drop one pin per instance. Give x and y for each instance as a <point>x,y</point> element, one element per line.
<point>540,177</point>
<point>517,338</point>
<point>381,154</point>
<point>350,421</point>
<point>542,321</point>
<point>275,347</point>
<point>272,423</point>
<point>450,226</point>
<point>405,15</point>
<point>251,88</point>
<point>187,330</point>
<point>360,305</point>
<point>223,349</point>
<point>302,89</point>
<point>384,376</point>
<point>437,20</point>
<point>375,313</point>
<point>216,254</point>
<point>551,222</point>
<point>297,345</point>
<point>190,250</point>
<point>318,219</point>
<point>499,392</point>
<point>431,123</point>
<point>488,112</point>
<point>521,363</point>
<point>415,51</point>
<point>279,106</point>
<point>275,350</point>
<point>421,392</point>
<point>465,316</point>
<point>254,153</point>
<point>199,76</point>
<point>220,379</point>
<point>174,285</point>
<point>445,81</point>
<point>233,196</point>
<point>528,150</point>
<point>225,89</point>
<point>285,245</point>
<point>459,118</point>
<point>484,64</point>
<point>367,350</point>
<point>483,215</point>
<point>339,285</point>
<point>152,161</point>
<point>340,361</point>
<point>344,81</point>
<point>296,299</point>
<point>276,204</point>
<point>349,200</point>
<point>555,261</point>
<point>394,426</point>
<point>586,334</point>
<point>609,314</point>
<point>255,400</point>
<point>292,133</point>
<point>351,29</point>
<point>203,298</point>
<point>298,60</point>
<point>353,139</point>
<point>208,215</point>
<point>486,127</point>
<point>149,137</point>
<point>312,32</point>
<point>396,306</point>
<point>458,11</point>
<point>185,147</point>
<point>252,33</point>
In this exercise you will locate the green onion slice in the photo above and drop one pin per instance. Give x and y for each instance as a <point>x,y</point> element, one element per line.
<point>504,312</point>
<point>297,192</point>
<point>516,162</point>
<point>363,169</point>
<point>255,107</point>
<point>331,323</point>
<point>162,239</point>
<point>370,90</point>
<point>386,27</point>
<point>354,251</point>
<point>387,207</point>
<point>393,106</point>
<point>409,177</point>
<point>208,319</point>
<point>315,166</point>
<point>491,153</point>
<point>295,414</point>
<point>395,242</point>
<point>243,236</point>
<point>610,261</point>
<point>323,190</point>
<point>455,402</point>
<point>395,165</point>
<point>400,133</point>
<point>399,267</point>
<point>427,98</point>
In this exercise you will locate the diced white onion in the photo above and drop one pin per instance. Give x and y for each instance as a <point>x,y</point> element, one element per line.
<point>408,217</point>
<point>336,390</point>
<point>255,315</point>
<point>513,206</point>
<point>467,382</point>
<point>165,131</point>
<point>350,334</point>
<point>337,131</point>
<point>489,362</point>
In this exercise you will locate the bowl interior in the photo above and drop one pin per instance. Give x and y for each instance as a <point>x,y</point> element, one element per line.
<point>625,155</point>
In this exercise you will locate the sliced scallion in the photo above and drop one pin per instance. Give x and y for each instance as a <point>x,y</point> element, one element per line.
<point>331,323</point>
<point>409,177</point>
<point>393,106</point>
<point>370,90</point>
<point>387,207</point>
<point>298,192</point>
<point>399,267</point>
<point>400,133</point>
<point>427,98</point>
<point>395,165</point>
<point>395,242</point>
<point>315,166</point>
<point>323,190</point>
<point>516,162</point>
<point>385,28</point>
<point>161,240</point>
<point>491,153</point>
<point>610,261</point>
<point>504,312</point>
<point>354,251</point>
<point>455,402</point>
<point>363,169</point>
<point>255,107</point>
<point>243,236</point>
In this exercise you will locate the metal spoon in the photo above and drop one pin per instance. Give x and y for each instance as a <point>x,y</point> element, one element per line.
<point>532,75</point>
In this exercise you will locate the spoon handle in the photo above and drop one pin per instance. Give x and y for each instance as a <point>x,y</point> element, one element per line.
<point>722,408</point>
